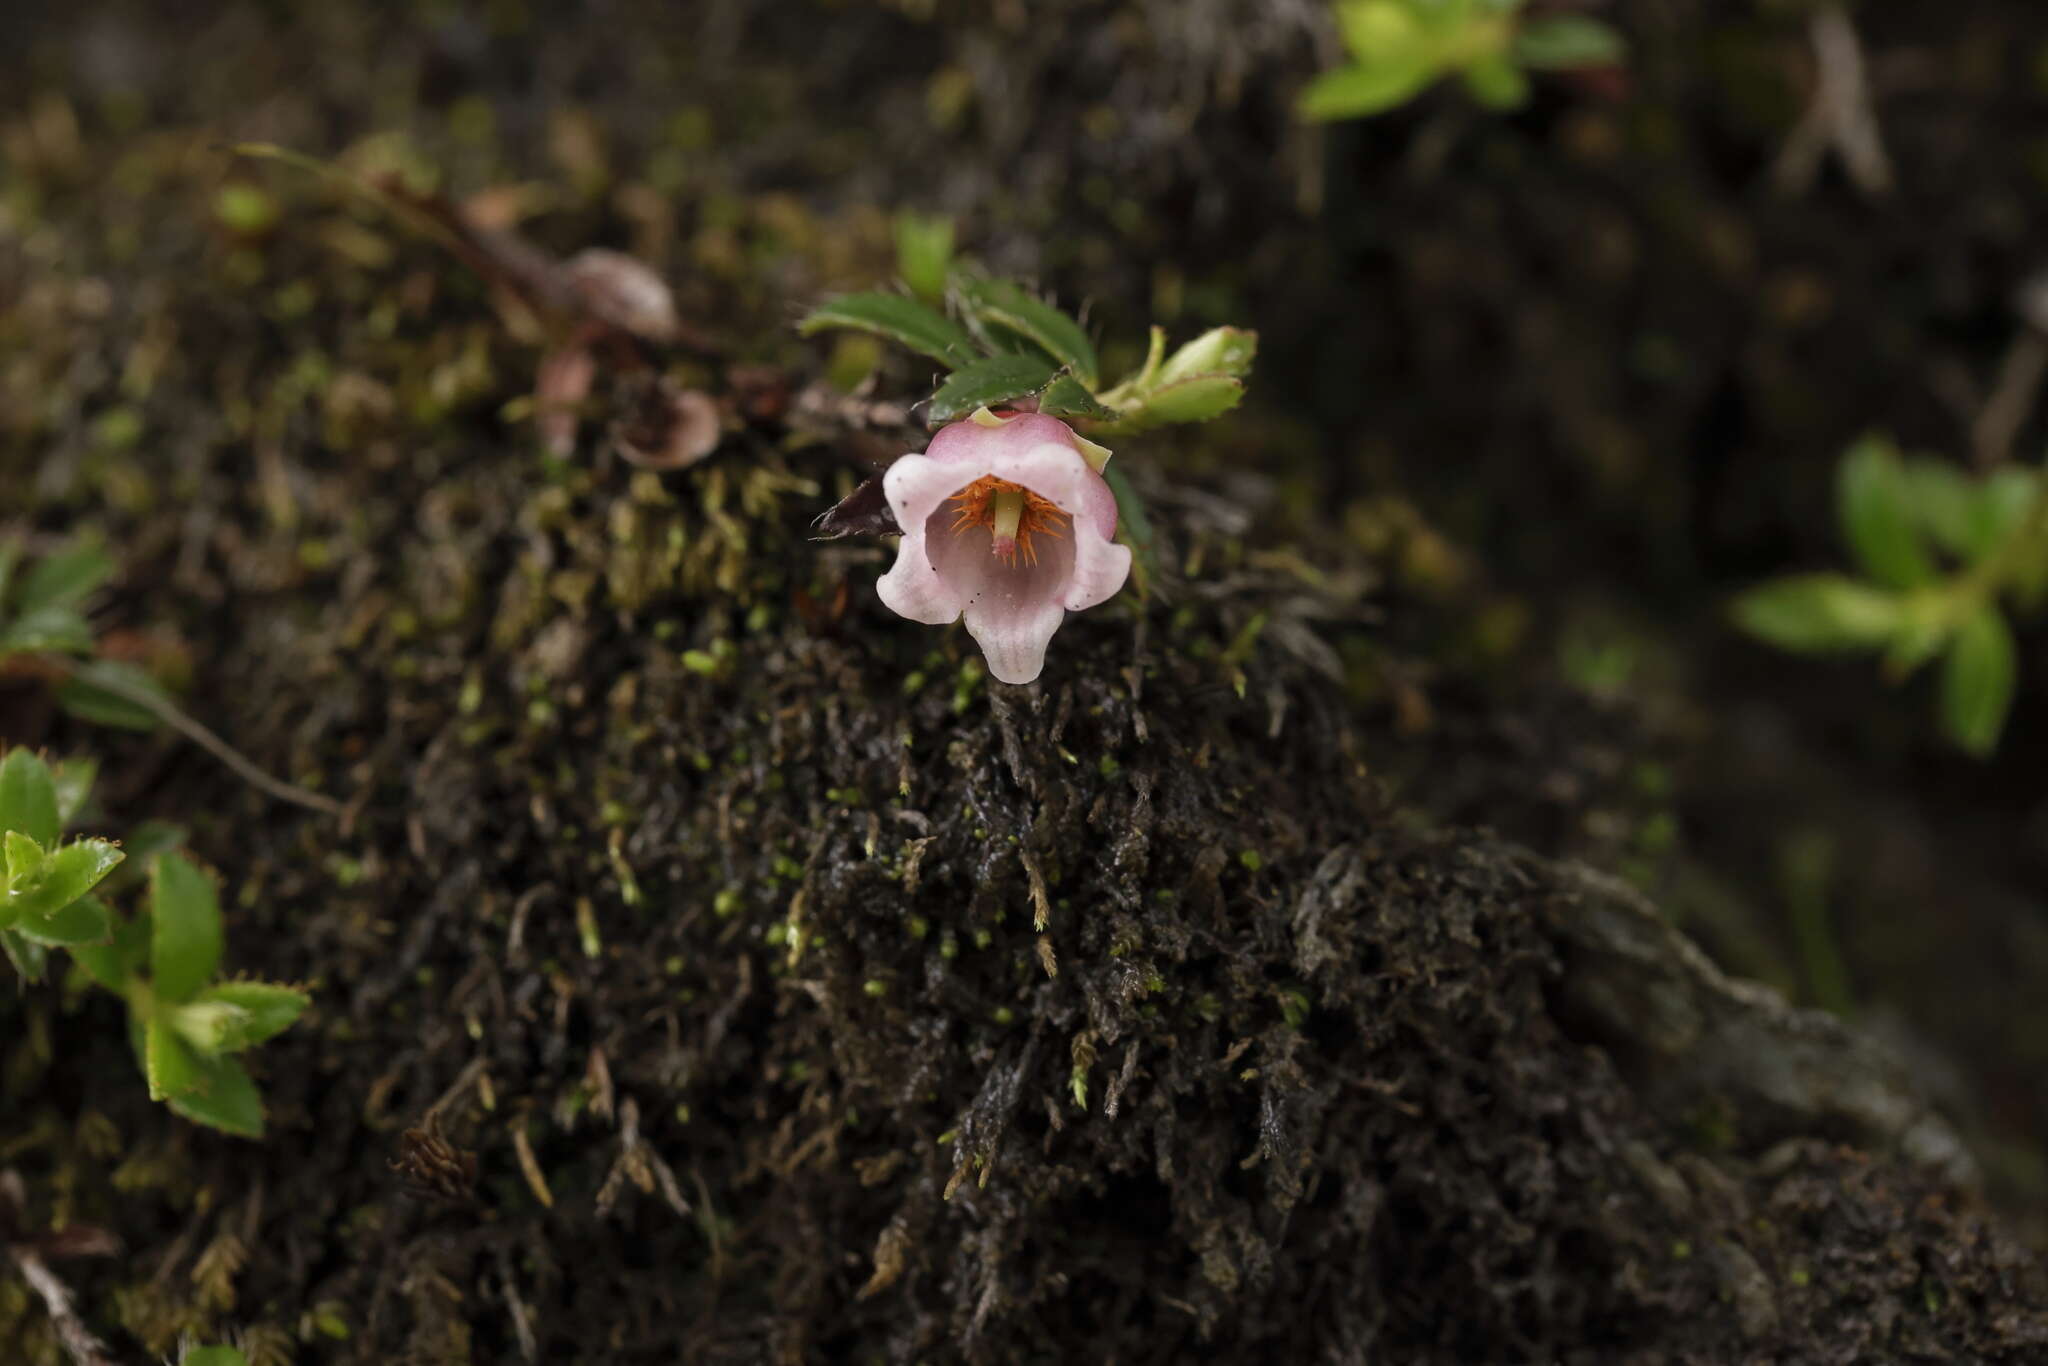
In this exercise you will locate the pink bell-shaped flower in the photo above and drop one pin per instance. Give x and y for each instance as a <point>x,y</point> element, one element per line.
<point>1007,521</point>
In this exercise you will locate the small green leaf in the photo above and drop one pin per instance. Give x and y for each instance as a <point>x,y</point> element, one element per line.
<point>1067,397</point>
<point>73,780</point>
<point>2000,506</point>
<point>899,319</point>
<point>1191,400</point>
<point>224,1098</point>
<point>1819,613</point>
<point>924,253</point>
<point>1003,303</point>
<point>65,876</point>
<point>214,1356</point>
<point>22,859</point>
<point>1356,92</point>
<point>1496,82</point>
<point>84,921</point>
<point>1373,28</point>
<point>1942,497</point>
<point>28,797</point>
<point>114,963</point>
<point>47,628</point>
<point>1195,400</point>
<point>186,931</point>
<point>64,579</point>
<point>1874,501</point>
<point>27,956</point>
<point>986,383</point>
<point>168,1062</point>
<point>1568,42</point>
<point>1977,682</point>
<point>95,691</point>
<point>270,1007</point>
<point>1219,351</point>
<point>1968,518</point>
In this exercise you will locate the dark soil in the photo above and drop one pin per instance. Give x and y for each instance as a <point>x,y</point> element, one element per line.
<point>692,896</point>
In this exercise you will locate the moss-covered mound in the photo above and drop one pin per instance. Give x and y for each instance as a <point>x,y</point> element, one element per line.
<point>712,967</point>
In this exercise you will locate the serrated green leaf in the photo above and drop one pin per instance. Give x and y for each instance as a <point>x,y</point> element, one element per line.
<point>270,1007</point>
<point>1568,42</point>
<point>1820,613</point>
<point>85,921</point>
<point>64,579</point>
<point>1004,304</point>
<point>28,797</point>
<point>28,958</point>
<point>1873,499</point>
<point>1356,92</point>
<point>1978,679</point>
<point>1067,397</point>
<point>1496,82</point>
<point>73,780</point>
<point>95,692</point>
<point>899,319</point>
<point>47,628</point>
<point>998,340</point>
<point>1219,351</point>
<point>113,964</point>
<point>225,1098</point>
<point>66,875</point>
<point>985,383</point>
<point>168,1062</point>
<point>924,253</point>
<point>185,934</point>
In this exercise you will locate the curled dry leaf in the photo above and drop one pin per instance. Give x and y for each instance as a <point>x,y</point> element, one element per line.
<point>622,292</point>
<point>663,427</point>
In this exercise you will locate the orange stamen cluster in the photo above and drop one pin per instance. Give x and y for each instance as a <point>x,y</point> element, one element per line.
<point>977,507</point>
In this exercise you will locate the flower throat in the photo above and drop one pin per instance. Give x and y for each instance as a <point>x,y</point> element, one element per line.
<point>1012,513</point>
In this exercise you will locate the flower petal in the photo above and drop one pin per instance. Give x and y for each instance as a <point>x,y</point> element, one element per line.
<point>914,587</point>
<point>1100,569</point>
<point>1012,609</point>
<point>969,440</point>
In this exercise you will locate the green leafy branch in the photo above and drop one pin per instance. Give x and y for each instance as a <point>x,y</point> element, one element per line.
<point>1001,344</point>
<point>1941,556</point>
<point>186,1026</point>
<point>43,624</point>
<point>1399,48</point>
